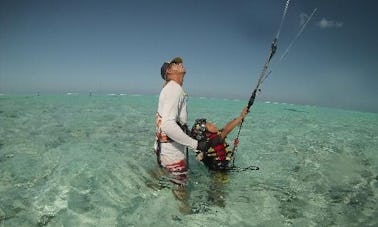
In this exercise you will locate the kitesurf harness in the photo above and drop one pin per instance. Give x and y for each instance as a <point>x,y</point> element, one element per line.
<point>162,137</point>
<point>219,151</point>
<point>218,156</point>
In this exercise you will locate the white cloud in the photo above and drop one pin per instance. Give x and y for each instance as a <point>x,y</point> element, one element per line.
<point>324,23</point>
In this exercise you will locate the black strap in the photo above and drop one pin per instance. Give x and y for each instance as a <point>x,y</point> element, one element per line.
<point>158,151</point>
<point>242,169</point>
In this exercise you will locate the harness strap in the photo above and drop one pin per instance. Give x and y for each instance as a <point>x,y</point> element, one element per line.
<point>158,151</point>
<point>218,156</point>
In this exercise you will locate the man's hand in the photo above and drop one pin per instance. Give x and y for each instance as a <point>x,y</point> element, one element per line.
<point>199,156</point>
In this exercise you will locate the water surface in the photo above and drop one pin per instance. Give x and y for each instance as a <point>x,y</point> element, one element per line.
<point>77,160</point>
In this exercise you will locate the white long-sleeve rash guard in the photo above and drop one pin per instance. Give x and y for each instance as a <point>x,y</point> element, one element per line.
<point>172,108</point>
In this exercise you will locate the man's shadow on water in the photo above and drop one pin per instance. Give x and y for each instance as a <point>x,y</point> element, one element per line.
<point>211,189</point>
<point>216,194</point>
<point>208,189</point>
<point>161,179</point>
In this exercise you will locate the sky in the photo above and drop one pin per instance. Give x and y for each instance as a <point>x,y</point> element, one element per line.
<point>55,46</point>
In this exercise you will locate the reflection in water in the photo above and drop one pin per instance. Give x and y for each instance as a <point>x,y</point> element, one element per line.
<point>213,194</point>
<point>180,191</point>
<point>216,192</point>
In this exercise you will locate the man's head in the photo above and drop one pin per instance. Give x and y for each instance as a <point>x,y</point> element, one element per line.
<point>173,70</point>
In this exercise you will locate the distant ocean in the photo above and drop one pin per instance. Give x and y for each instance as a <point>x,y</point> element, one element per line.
<point>79,160</point>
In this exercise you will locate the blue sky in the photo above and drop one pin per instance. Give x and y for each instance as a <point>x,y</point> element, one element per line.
<point>118,46</point>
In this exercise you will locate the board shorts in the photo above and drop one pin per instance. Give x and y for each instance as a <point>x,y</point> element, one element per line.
<point>173,160</point>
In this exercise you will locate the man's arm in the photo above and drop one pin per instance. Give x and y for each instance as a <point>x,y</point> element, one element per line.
<point>169,117</point>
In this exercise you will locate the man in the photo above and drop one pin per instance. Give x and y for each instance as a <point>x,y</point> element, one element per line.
<point>171,119</point>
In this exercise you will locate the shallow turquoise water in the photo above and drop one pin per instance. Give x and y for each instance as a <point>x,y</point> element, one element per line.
<point>76,160</point>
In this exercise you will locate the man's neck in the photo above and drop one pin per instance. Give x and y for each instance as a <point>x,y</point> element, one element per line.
<point>177,80</point>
